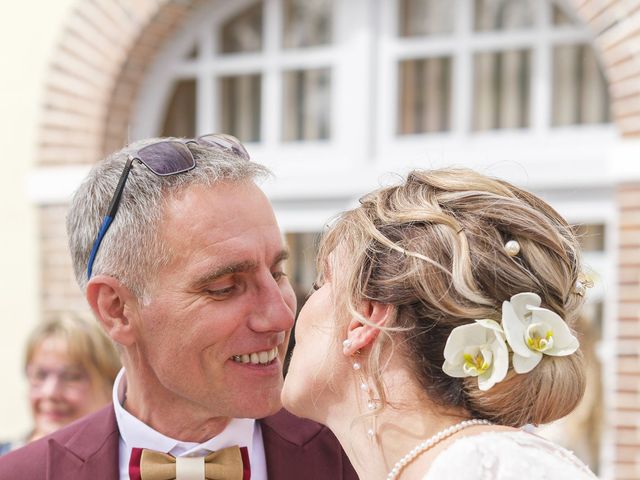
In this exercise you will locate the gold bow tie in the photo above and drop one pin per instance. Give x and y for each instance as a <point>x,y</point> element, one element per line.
<point>227,464</point>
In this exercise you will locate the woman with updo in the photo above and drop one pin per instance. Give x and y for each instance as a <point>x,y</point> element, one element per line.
<point>441,326</point>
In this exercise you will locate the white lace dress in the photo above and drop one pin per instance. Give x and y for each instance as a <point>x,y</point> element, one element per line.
<point>516,455</point>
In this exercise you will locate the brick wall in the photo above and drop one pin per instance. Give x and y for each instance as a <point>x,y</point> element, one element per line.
<point>91,87</point>
<point>616,25</point>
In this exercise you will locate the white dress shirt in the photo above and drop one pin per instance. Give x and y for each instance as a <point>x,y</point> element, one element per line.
<point>136,434</point>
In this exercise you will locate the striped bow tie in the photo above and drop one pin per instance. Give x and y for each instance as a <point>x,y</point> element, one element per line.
<point>227,464</point>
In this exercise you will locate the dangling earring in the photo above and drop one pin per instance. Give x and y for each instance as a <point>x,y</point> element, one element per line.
<point>371,402</point>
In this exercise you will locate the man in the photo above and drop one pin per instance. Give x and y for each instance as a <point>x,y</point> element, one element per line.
<point>186,274</point>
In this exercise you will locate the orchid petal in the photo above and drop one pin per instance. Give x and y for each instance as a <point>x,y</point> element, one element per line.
<point>521,301</point>
<point>500,359</point>
<point>475,350</point>
<point>514,329</point>
<point>491,325</point>
<point>453,370</point>
<point>562,335</point>
<point>522,364</point>
<point>564,342</point>
<point>461,337</point>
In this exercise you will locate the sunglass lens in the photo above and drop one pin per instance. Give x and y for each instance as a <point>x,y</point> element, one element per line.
<point>167,158</point>
<point>226,142</point>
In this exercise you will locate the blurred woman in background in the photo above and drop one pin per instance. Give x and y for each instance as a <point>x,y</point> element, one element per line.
<point>70,366</point>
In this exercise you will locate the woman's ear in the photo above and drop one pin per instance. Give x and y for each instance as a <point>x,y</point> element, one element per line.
<point>360,335</point>
<point>112,304</point>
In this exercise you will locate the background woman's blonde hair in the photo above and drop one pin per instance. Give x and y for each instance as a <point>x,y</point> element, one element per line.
<point>433,247</point>
<point>87,346</point>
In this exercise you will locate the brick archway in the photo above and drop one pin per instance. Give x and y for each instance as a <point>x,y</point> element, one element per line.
<point>93,80</point>
<point>617,39</point>
<point>106,47</point>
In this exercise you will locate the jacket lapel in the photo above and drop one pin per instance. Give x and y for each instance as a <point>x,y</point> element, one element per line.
<point>296,448</point>
<point>90,454</point>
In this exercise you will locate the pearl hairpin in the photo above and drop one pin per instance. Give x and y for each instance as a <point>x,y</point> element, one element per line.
<point>512,248</point>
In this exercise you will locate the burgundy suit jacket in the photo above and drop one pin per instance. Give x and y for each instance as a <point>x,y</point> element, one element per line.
<point>88,450</point>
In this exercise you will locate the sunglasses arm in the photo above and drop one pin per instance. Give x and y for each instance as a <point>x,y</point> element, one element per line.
<point>108,218</point>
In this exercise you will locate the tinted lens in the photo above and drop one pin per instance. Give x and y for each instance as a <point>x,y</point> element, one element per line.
<point>226,142</point>
<point>167,158</point>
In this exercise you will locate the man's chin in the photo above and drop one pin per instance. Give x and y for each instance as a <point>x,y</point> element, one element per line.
<point>261,410</point>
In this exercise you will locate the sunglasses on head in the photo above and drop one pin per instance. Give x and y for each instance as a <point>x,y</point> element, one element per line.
<point>163,158</point>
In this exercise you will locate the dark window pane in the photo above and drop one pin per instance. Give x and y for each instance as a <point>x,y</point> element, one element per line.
<point>301,266</point>
<point>240,106</point>
<point>243,32</point>
<point>180,119</point>
<point>590,236</point>
<point>306,104</point>
<point>580,94</point>
<point>418,18</point>
<point>560,17</point>
<point>307,23</point>
<point>424,95</point>
<point>503,14</point>
<point>193,53</point>
<point>501,90</point>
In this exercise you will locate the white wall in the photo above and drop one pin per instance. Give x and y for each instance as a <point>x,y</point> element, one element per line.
<point>29,30</point>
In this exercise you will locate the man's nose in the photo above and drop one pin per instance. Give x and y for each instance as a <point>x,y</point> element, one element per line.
<point>272,313</point>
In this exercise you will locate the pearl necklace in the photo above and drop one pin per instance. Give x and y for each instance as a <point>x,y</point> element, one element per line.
<point>430,442</point>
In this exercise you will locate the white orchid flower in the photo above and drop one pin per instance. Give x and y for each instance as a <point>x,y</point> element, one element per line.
<point>477,350</point>
<point>532,331</point>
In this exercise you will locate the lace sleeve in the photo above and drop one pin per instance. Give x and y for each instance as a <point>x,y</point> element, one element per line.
<point>507,456</point>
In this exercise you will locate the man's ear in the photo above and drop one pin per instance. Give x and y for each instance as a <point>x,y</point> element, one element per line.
<point>361,335</point>
<point>112,304</point>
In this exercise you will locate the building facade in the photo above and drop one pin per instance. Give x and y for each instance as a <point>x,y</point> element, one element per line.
<point>333,94</point>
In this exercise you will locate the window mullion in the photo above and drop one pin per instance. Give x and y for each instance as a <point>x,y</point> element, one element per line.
<point>206,100</point>
<point>462,104</point>
<point>542,75</point>
<point>271,76</point>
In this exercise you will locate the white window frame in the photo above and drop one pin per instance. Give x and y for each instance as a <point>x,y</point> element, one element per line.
<point>598,206</point>
<point>342,57</point>
<point>577,153</point>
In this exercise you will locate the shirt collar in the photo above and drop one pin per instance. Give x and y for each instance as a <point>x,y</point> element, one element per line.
<point>136,433</point>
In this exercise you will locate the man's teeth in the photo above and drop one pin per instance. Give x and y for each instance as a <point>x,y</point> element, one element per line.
<point>257,357</point>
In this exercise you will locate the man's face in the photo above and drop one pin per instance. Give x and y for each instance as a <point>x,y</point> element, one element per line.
<point>213,331</point>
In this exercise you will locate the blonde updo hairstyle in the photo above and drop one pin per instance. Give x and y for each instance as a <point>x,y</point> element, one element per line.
<point>433,247</point>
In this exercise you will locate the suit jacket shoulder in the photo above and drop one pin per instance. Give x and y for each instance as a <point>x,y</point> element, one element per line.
<point>296,448</point>
<point>86,449</point>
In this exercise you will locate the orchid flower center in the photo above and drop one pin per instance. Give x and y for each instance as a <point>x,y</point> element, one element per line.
<point>476,361</point>
<point>539,337</point>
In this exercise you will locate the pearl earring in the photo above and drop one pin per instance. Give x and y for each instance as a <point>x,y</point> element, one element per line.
<point>347,344</point>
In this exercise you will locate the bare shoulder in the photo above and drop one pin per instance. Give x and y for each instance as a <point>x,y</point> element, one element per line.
<point>503,455</point>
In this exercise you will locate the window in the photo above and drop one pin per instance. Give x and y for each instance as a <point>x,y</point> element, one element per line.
<point>501,89</point>
<point>247,57</point>
<point>507,64</point>
<point>360,80</point>
<point>424,101</point>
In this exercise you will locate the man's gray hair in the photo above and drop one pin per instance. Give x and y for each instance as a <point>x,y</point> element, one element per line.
<point>132,249</point>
